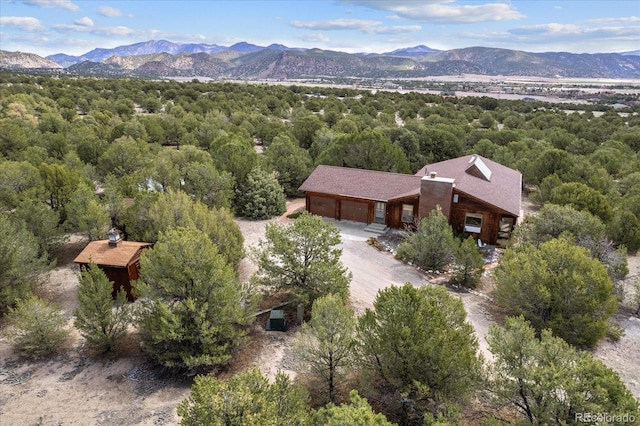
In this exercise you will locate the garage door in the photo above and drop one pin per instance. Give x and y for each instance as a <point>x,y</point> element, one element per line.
<point>322,206</point>
<point>354,210</point>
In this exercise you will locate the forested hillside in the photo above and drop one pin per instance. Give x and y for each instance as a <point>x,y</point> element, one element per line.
<point>172,163</point>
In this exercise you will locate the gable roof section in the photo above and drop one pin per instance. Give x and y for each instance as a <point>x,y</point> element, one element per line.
<point>502,189</point>
<point>360,183</point>
<point>120,256</point>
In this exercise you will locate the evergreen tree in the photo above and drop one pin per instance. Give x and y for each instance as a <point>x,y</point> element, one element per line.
<point>582,197</point>
<point>59,183</point>
<point>20,262</point>
<point>43,222</point>
<point>469,264</point>
<point>152,214</point>
<point>192,313</point>
<point>261,197</point>
<point>291,163</point>
<point>19,181</point>
<point>246,399</point>
<point>101,321</point>
<point>432,246</point>
<point>557,286</point>
<point>324,346</point>
<point>549,382</point>
<point>418,343</point>
<point>85,214</point>
<point>302,257</point>
<point>36,327</point>
<point>370,149</point>
<point>357,412</point>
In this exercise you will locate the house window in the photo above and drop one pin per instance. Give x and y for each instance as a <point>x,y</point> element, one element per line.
<point>407,213</point>
<point>473,223</point>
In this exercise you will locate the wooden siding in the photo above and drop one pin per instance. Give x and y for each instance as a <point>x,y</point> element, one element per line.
<point>121,280</point>
<point>357,209</point>
<point>122,277</point>
<point>490,217</point>
<point>394,211</point>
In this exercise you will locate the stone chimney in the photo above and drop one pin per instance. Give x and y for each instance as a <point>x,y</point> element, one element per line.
<point>435,191</point>
<point>114,237</point>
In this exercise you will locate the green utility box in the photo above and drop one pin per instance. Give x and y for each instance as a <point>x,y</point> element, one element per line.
<point>277,321</point>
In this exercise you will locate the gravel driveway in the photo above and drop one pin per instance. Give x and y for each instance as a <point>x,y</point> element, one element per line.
<point>373,270</point>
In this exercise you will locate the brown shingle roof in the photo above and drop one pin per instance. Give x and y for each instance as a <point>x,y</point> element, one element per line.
<point>359,183</point>
<point>103,254</point>
<point>503,190</point>
<point>473,175</point>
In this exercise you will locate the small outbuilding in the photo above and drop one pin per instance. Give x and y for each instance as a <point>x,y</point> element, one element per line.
<point>277,321</point>
<point>118,259</point>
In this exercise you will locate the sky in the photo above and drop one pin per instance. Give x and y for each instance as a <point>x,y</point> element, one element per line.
<point>75,27</point>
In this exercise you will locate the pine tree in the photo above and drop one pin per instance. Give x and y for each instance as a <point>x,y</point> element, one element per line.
<point>261,197</point>
<point>469,265</point>
<point>356,413</point>
<point>246,399</point>
<point>85,214</point>
<point>418,343</point>
<point>324,346</point>
<point>549,382</point>
<point>192,314</point>
<point>302,257</point>
<point>101,321</point>
<point>432,246</point>
<point>557,286</point>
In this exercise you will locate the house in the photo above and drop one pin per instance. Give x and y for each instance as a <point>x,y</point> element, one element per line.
<point>118,259</point>
<point>478,196</point>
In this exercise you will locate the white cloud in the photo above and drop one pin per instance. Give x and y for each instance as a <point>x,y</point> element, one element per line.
<point>109,12</point>
<point>396,29</point>
<point>558,37</point>
<point>444,11</point>
<point>63,4</point>
<point>367,27</point>
<point>100,31</point>
<point>114,31</point>
<point>123,33</point>
<point>85,22</point>
<point>159,34</point>
<point>558,32</point>
<point>25,23</point>
<point>624,20</point>
<point>336,24</point>
<point>314,38</point>
<point>550,29</point>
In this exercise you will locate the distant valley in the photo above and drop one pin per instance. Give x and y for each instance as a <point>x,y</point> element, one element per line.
<point>164,59</point>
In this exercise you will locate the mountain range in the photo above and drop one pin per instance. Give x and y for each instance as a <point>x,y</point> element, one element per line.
<point>161,58</point>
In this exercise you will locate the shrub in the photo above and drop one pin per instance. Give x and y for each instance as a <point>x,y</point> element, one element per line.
<point>433,246</point>
<point>101,322</point>
<point>36,327</point>
<point>469,264</point>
